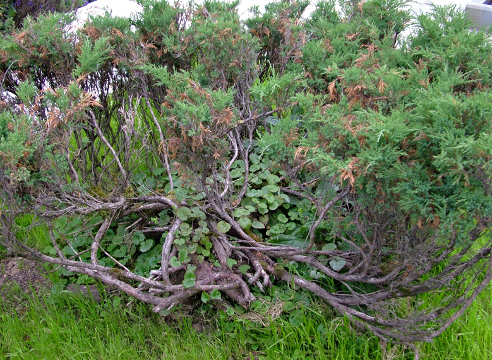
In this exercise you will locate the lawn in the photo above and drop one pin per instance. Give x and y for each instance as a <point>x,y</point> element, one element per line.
<point>66,326</point>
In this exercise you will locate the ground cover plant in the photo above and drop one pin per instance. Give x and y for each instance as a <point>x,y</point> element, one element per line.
<point>186,154</point>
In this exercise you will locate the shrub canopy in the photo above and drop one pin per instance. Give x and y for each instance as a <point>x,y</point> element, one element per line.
<point>188,152</point>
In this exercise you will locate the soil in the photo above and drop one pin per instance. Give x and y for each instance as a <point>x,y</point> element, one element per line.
<point>28,275</point>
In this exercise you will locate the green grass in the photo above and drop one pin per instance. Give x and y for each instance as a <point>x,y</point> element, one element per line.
<point>64,326</point>
<point>76,328</point>
<point>470,337</point>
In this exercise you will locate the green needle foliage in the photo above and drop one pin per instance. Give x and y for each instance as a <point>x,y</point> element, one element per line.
<point>197,154</point>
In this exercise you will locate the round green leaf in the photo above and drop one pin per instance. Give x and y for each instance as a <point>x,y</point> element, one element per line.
<point>250,208</point>
<point>258,224</point>
<point>185,229</point>
<point>263,211</point>
<point>244,268</point>
<point>273,188</point>
<point>188,282</point>
<point>239,212</point>
<point>192,248</point>
<point>183,256</point>
<point>215,294</point>
<point>282,218</point>
<point>189,278</point>
<point>50,250</point>
<point>137,237</point>
<point>273,206</point>
<point>255,159</point>
<point>272,179</point>
<point>329,247</point>
<point>183,213</point>
<point>205,297</point>
<point>231,262</point>
<point>337,263</point>
<point>245,222</point>
<point>146,245</point>
<point>264,219</point>
<point>198,214</point>
<point>270,198</point>
<point>290,226</point>
<point>174,262</point>
<point>295,319</point>
<point>120,252</point>
<point>223,227</point>
<point>289,306</point>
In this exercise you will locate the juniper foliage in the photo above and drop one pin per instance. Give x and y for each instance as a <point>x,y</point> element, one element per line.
<point>200,153</point>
